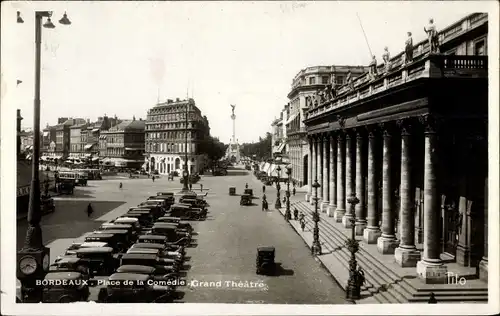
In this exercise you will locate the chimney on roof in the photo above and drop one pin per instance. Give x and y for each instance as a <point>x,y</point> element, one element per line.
<point>133,118</point>
<point>169,101</point>
<point>88,121</point>
<point>177,99</point>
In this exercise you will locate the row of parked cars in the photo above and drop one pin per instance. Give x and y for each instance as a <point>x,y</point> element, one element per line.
<point>137,257</point>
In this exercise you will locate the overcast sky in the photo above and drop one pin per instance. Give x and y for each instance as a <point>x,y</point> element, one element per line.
<point>116,56</point>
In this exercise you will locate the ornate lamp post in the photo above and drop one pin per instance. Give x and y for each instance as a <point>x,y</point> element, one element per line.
<point>277,205</point>
<point>288,214</point>
<point>185,173</point>
<point>356,274</point>
<point>34,258</point>
<point>316,245</point>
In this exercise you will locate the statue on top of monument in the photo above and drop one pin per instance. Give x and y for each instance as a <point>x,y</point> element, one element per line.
<point>432,37</point>
<point>232,107</point>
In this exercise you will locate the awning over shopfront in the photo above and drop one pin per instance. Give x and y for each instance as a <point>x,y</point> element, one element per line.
<point>266,167</point>
<point>280,148</point>
<point>291,118</point>
<point>30,147</point>
<point>87,147</point>
<point>88,155</point>
<point>95,158</point>
<point>45,134</point>
<point>95,130</point>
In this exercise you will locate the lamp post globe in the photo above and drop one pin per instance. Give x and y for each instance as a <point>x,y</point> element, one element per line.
<point>316,245</point>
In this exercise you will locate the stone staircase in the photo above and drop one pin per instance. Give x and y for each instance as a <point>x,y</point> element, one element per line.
<point>386,282</point>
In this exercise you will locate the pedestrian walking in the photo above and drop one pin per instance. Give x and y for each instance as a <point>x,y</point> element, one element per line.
<point>190,186</point>
<point>293,191</point>
<point>246,185</point>
<point>201,187</point>
<point>90,210</point>
<point>153,178</point>
<point>121,185</point>
<point>263,189</point>
<point>432,299</point>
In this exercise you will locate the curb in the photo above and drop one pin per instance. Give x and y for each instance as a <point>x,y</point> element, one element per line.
<point>318,260</point>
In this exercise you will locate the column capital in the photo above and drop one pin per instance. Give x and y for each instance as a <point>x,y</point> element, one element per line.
<point>431,123</point>
<point>340,136</point>
<point>372,130</point>
<point>341,120</point>
<point>387,128</point>
<point>406,126</point>
<point>360,132</point>
<point>350,133</point>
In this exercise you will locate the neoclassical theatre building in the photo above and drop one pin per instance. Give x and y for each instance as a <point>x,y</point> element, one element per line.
<point>409,140</point>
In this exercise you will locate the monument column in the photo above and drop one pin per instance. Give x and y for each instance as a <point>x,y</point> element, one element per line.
<point>326,180</point>
<point>341,200</point>
<point>332,175</point>
<point>387,242</point>
<point>406,254</point>
<point>309,169</point>
<point>349,166</point>
<point>360,208</point>
<point>372,231</point>
<point>431,268</point>
<point>314,175</point>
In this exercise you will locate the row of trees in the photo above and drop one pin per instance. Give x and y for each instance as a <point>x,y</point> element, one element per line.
<point>214,148</point>
<point>261,149</point>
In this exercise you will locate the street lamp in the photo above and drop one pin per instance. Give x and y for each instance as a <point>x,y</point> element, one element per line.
<point>277,205</point>
<point>356,274</point>
<point>288,214</point>
<point>316,246</point>
<point>34,258</point>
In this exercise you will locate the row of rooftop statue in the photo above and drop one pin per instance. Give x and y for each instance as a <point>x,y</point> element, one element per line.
<point>330,91</point>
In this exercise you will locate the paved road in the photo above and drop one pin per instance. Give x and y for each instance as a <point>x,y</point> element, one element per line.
<point>227,240</point>
<point>227,245</point>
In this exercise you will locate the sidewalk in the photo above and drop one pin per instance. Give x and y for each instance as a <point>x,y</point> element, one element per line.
<point>386,281</point>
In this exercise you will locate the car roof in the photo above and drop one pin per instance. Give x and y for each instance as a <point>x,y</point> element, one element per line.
<point>135,268</point>
<point>94,250</point>
<point>116,226</point>
<point>157,237</point>
<point>100,235</point>
<point>90,244</point>
<point>129,276</point>
<point>177,205</point>
<point>266,249</point>
<point>139,256</point>
<point>126,220</point>
<point>68,260</point>
<point>165,193</point>
<point>147,245</point>
<point>170,217</point>
<point>115,231</point>
<point>143,250</point>
<point>164,224</point>
<point>66,275</point>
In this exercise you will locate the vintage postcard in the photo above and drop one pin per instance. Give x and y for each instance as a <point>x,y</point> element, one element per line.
<point>245,158</point>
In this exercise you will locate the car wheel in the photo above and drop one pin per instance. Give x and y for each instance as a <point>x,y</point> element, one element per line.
<point>66,299</point>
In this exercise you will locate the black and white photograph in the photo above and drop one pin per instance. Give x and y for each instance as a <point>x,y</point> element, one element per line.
<point>249,157</point>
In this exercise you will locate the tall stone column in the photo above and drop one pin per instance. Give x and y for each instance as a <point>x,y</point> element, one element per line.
<point>333,177</point>
<point>341,200</point>
<point>349,178</point>
<point>406,254</point>
<point>319,166</point>
<point>326,181</point>
<point>483,264</point>
<point>431,268</point>
<point>360,208</point>
<point>387,242</point>
<point>309,169</point>
<point>314,175</point>
<point>372,231</point>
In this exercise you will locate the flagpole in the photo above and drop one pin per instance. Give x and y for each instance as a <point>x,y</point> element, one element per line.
<point>366,39</point>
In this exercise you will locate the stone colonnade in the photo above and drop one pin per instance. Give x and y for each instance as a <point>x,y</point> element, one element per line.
<point>343,168</point>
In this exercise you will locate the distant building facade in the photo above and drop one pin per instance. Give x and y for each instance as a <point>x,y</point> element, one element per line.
<point>123,144</point>
<point>166,136</point>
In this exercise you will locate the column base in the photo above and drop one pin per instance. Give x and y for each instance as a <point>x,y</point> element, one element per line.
<point>463,255</point>
<point>324,206</point>
<point>483,270</point>
<point>346,220</point>
<point>339,214</point>
<point>307,197</point>
<point>330,210</point>
<point>360,227</point>
<point>387,244</point>
<point>432,272</point>
<point>371,235</point>
<point>407,257</point>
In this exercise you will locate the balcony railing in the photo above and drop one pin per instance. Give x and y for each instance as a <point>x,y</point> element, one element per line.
<point>431,66</point>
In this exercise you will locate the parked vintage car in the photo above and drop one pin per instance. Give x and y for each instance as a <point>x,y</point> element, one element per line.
<point>71,286</point>
<point>177,220</point>
<point>185,212</point>
<point>152,271</point>
<point>172,232</point>
<point>153,260</point>
<point>116,241</point>
<point>165,251</point>
<point>248,191</point>
<point>162,240</point>
<point>246,199</point>
<point>169,196</point>
<point>123,238</point>
<point>175,262</point>
<point>134,288</point>
<point>99,260</point>
<point>66,186</point>
<point>265,260</point>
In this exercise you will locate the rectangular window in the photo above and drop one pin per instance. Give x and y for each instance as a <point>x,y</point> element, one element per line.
<point>312,80</point>
<point>324,80</point>
<point>480,48</point>
<point>339,80</point>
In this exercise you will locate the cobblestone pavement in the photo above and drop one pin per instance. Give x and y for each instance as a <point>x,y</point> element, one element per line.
<point>226,241</point>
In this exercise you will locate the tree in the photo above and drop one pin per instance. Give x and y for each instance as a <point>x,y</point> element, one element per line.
<point>262,148</point>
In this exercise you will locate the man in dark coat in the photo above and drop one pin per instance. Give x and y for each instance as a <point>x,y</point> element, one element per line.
<point>90,210</point>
